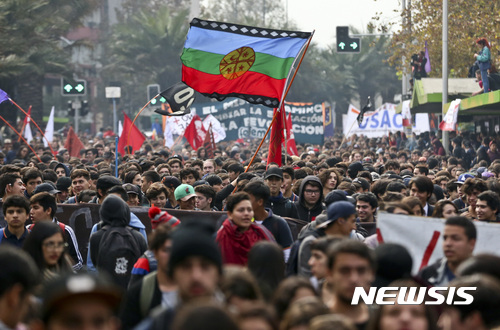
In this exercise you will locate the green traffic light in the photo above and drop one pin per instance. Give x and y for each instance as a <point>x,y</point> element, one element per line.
<point>353,45</point>
<point>79,88</point>
<point>163,100</point>
<point>68,88</point>
<point>153,101</point>
<point>342,45</point>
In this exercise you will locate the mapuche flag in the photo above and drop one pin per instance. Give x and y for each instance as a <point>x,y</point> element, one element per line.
<point>223,59</point>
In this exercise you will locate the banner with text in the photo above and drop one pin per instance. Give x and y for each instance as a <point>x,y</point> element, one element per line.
<point>241,119</point>
<point>381,121</point>
<point>422,237</point>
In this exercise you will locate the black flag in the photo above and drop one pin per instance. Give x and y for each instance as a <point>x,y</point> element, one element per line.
<point>365,109</point>
<point>180,97</point>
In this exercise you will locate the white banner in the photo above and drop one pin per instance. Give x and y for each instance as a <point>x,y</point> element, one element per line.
<point>381,121</point>
<point>423,236</point>
<point>217,129</point>
<point>449,122</point>
<point>49,130</point>
<point>179,123</point>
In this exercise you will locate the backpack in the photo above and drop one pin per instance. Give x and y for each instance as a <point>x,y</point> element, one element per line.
<point>147,292</point>
<point>292,267</point>
<point>117,253</point>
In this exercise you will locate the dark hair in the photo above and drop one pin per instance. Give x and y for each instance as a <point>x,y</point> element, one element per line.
<point>32,174</point>
<point>396,186</point>
<point>262,312</point>
<point>351,247</point>
<point>392,206</point>
<point>49,175</point>
<point>186,171</point>
<point>480,264</point>
<point>486,298</point>
<point>86,195</point>
<point>259,190</point>
<point>289,170</point>
<point>394,164</point>
<point>45,200</point>
<point>118,190</point>
<point>240,284</point>
<point>130,176</point>
<point>16,201</point>
<point>287,290</point>
<point>155,190</point>
<point>379,187</point>
<point>146,165</point>
<point>33,244</point>
<point>235,199</point>
<point>368,198</point>
<point>17,268</point>
<point>302,311</point>
<point>203,315</point>
<point>325,176</point>
<point>439,208</point>
<point>151,176</point>
<point>465,223</point>
<point>490,198</point>
<point>213,179</point>
<point>235,167</point>
<point>472,184</point>
<point>423,184</point>
<point>7,179</point>
<point>160,235</point>
<point>423,169</point>
<point>266,263</point>
<point>206,191</point>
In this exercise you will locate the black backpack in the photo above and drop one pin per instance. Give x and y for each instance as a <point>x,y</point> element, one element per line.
<point>117,253</point>
<point>292,267</point>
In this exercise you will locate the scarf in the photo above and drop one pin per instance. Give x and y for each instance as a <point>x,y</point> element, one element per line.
<point>235,245</point>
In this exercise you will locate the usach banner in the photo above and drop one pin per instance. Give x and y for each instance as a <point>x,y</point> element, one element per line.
<point>241,119</point>
<point>381,122</point>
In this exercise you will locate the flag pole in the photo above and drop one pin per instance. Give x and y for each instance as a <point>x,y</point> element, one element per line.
<point>135,118</point>
<point>345,136</point>
<point>286,135</point>
<point>22,137</point>
<point>281,102</point>
<point>34,122</point>
<point>24,124</point>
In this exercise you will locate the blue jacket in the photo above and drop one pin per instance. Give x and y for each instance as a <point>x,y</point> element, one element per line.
<point>483,59</point>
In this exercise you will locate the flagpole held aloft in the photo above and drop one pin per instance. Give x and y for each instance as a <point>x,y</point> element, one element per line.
<point>20,135</point>
<point>137,116</point>
<point>34,122</point>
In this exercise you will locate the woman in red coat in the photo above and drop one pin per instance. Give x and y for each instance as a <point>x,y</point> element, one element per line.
<point>238,232</point>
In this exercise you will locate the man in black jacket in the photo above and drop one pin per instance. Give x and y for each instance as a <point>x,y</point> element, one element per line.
<point>154,289</point>
<point>280,205</point>
<point>310,203</point>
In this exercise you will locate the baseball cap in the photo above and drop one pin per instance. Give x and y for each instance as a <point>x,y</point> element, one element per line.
<point>487,174</point>
<point>132,189</point>
<point>274,171</point>
<point>59,291</point>
<point>340,209</point>
<point>106,182</point>
<point>335,196</point>
<point>48,187</point>
<point>463,177</point>
<point>184,192</point>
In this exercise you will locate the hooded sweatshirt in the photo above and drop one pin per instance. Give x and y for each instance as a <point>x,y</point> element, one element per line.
<point>66,169</point>
<point>114,212</point>
<point>304,212</point>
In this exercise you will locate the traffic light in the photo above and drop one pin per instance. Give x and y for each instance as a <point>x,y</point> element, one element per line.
<point>71,111</point>
<point>346,44</point>
<point>73,87</point>
<point>153,90</point>
<point>84,110</point>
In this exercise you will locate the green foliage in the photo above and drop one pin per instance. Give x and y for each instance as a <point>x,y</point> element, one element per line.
<point>467,21</point>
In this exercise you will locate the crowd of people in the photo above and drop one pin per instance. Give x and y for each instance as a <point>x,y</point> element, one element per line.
<point>292,242</point>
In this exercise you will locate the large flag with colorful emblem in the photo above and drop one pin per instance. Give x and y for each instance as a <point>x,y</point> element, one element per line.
<point>224,59</point>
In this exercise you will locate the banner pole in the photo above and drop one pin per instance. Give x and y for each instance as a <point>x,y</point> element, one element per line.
<point>116,156</point>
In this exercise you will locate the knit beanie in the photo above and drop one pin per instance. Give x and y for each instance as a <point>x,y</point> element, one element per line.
<point>193,241</point>
<point>158,217</point>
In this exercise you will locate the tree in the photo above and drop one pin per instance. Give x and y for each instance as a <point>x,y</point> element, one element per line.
<point>467,21</point>
<point>144,49</point>
<point>30,32</point>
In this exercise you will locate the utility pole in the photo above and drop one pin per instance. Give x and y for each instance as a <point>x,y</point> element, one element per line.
<point>404,86</point>
<point>446,137</point>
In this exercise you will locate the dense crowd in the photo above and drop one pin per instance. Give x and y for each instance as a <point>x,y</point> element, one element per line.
<point>289,245</point>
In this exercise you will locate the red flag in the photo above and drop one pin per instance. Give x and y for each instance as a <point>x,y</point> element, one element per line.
<point>73,143</point>
<point>209,143</point>
<point>277,139</point>
<point>195,132</point>
<point>131,136</point>
<point>291,147</point>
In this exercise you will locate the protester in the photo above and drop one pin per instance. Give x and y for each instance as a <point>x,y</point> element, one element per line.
<point>15,212</point>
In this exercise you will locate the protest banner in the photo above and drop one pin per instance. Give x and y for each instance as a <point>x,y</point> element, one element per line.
<point>242,120</point>
<point>423,236</point>
<point>381,122</point>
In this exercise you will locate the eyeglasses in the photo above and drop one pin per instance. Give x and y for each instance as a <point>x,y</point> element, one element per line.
<point>55,246</point>
<point>311,192</point>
